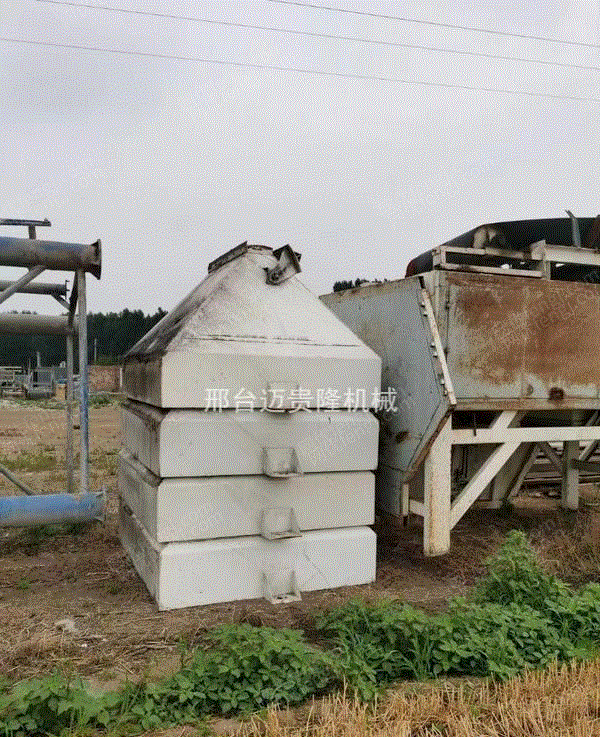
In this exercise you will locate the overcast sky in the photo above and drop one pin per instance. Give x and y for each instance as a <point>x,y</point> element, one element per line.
<point>172,163</point>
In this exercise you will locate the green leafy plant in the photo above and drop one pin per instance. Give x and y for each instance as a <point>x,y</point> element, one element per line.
<point>24,584</point>
<point>514,576</point>
<point>51,705</point>
<point>247,669</point>
<point>518,617</point>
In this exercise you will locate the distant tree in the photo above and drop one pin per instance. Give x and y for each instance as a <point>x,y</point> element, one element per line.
<point>115,333</point>
<point>339,286</point>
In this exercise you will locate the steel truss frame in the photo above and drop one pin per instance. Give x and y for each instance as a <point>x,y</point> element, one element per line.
<point>508,449</point>
<point>39,256</point>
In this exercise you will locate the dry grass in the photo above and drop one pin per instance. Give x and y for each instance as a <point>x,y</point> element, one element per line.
<point>562,701</point>
<point>570,548</point>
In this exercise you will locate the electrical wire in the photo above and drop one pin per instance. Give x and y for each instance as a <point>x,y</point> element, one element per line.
<point>300,70</point>
<point>438,24</point>
<point>314,34</point>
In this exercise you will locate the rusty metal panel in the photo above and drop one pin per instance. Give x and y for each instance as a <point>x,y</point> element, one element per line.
<point>391,319</point>
<point>512,338</point>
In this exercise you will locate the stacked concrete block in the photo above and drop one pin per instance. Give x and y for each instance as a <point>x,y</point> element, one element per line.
<point>248,444</point>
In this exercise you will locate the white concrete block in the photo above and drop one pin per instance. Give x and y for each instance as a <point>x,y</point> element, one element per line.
<point>235,333</point>
<point>195,573</point>
<point>227,369</point>
<point>213,507</point>
<point>197,443</point>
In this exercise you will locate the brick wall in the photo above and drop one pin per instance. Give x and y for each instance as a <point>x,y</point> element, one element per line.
<point>105,378</point>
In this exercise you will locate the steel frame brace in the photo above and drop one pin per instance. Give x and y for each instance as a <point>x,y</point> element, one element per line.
<point>441,511</point>
<point>38,255</point>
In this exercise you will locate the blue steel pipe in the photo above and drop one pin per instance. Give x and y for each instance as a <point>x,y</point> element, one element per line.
<point>50,509</point>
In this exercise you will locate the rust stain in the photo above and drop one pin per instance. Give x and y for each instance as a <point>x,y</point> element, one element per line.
<point>504,330</point>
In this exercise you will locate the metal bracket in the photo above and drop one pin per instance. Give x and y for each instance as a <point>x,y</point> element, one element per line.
<point>288,265</point>
<point>281,463</point>
<point>279,523</point>
<point>437,349</point>
<point>281,597</point>
<point>31,225</point>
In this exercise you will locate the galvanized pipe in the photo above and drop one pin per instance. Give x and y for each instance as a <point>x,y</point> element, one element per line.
<point>51,254</point>
<point>34,324</point>
<point>83,384</point>
<point>69,397</point>
<point>54,290</point>
<point>22,282</point>
<point>50,509</point>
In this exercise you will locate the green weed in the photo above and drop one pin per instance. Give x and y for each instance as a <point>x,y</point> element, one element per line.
<point>518,618</point>
<point>40,459</point>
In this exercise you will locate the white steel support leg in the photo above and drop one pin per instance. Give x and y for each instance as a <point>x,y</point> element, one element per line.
<point>569,498</point>
<point>405,501</point>
<point>437,493</point>
<point>530,460</point>
<point>570,480</point>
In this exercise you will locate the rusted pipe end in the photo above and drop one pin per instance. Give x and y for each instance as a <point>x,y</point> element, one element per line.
<point>96,269</point>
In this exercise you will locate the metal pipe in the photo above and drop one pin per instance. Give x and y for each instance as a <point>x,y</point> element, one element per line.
<point>27,223</point>
<point>51,254</point>
<point>34,324</point>
<point>54,290</point>
<point>69,443</point>
<point>83,383</point>
<point>50,509</point>
<point>575,233</point>
<point>25,489</point>
<point>22,282</point>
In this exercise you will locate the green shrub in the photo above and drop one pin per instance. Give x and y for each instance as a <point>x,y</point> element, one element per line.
<point>51,705</point>
<point>379,643</point>
<point>501,641</point>
<point>514,576</point>
<point>518,617</point>
<point>249,668</point>
<point>577,615</point>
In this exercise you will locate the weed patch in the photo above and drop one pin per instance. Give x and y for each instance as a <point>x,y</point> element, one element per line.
<point>40,459</point>
<point>518,618</point>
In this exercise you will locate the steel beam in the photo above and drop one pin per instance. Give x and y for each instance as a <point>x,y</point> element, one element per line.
<point>51,254</point>
<point>13,479</point>
<point>15,324</point>
<point>83,383</point>
<point>20,283</point>
<point>569,497</point>
<point>548,451</point>
<point>69,454</point>
<point>526,435</point>
<point>480,480</point>
<point>54,290</point>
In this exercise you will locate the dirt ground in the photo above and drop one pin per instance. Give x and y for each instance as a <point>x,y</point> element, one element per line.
<point>51,574</point>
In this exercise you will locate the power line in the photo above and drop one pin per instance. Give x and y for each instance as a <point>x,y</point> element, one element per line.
<point>438,24</point>
<point>300,70</point>
<point>314,34</point>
